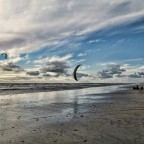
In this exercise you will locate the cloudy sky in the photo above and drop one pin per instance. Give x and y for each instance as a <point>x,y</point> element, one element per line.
<point>46,39</point>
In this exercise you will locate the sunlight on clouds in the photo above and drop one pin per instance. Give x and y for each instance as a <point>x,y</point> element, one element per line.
<point>29,26</point>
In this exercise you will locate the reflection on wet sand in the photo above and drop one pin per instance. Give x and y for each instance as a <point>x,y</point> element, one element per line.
<point>22,112</point>
<point>57,103</point>
<point>91,115</point>
<point>75,105</point>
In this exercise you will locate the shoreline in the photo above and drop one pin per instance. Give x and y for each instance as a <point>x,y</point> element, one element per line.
<point>17,88</point>
<point>119,120</point>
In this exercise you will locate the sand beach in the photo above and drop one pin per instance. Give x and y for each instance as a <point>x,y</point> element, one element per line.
<point>96,115</point>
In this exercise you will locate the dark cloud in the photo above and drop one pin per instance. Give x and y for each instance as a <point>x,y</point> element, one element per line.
<point>112,70</point>
<point>11,67</point>
<point>115,69</point>
<point>137,75</point>
<point>33,73</point>
<point>56,67</point>
<point>103,74</point>
<point>120,75</point>
<point>46,75</point>
<point>141,73</point>
<point>12,42</point>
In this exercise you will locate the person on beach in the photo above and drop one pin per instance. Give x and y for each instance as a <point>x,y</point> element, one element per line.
<point>137,88</point>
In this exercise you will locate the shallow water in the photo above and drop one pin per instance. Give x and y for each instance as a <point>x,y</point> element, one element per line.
<point>51,106</point>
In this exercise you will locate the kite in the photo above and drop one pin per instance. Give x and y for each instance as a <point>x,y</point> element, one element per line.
<point>74,73</point>
<point>5,55</point>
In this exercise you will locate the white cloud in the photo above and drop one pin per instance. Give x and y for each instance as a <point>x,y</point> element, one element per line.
<point>58,65</point>
<point>53,59</point>
<point>30,25</point>
<point>131,60</point>
<point>81,54</point>
<point>96,41</point>
<point>111,71</point>
<point>27,26</point>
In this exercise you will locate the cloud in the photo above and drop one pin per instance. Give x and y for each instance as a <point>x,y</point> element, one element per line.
<point>46,75</point>
<point>82,75</point>
<point>81,54</point>
<point>103,75</point>
<point>59,25</point>
<point>57,65</point>
<point>96,41</point>
<point>131,60</point>
<point>137,75</point>
<point>53,59</point>
<point>33,73</point>
<point>111,71</point>
<point>120,76</point>
<point>28,26</point>
<point>115,69</point>
<point>121,8</point>
<point>11,67</point>
<point>125,72</point>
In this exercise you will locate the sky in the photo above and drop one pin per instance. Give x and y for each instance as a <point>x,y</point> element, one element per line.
<point>45,40</point>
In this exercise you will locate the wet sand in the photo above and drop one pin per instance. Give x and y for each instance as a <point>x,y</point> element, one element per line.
<point>19,88</point>
<point>93,115</point>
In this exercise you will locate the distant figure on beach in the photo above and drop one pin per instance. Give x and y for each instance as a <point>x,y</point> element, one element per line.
<point>136,88</point>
